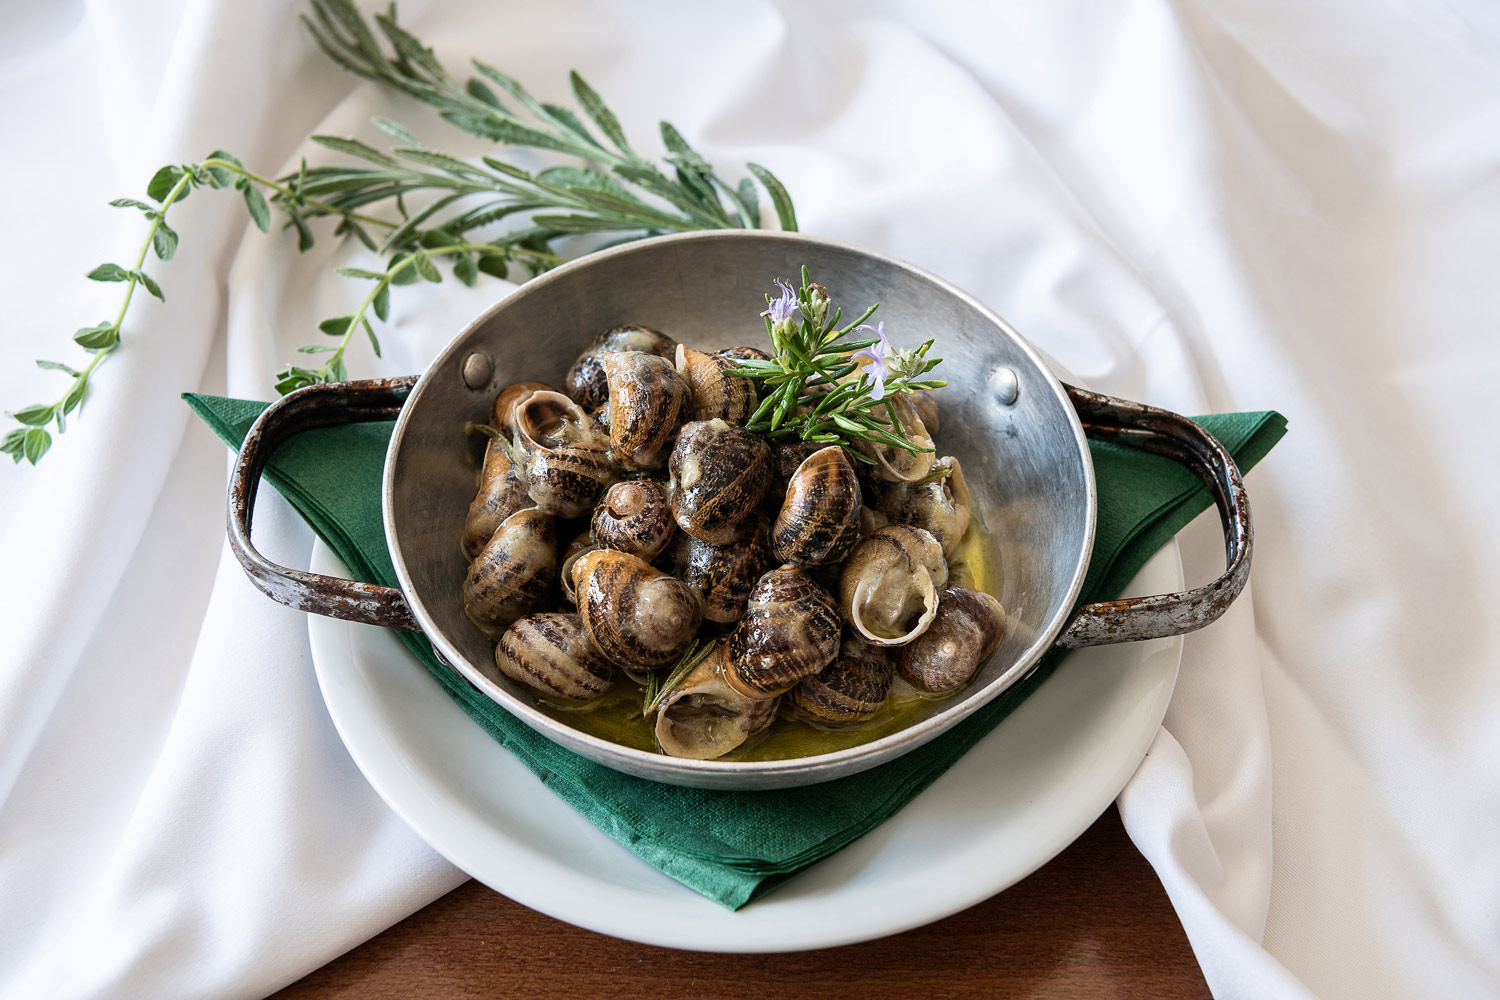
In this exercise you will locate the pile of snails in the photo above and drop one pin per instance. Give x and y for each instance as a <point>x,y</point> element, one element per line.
<point>628,517</point>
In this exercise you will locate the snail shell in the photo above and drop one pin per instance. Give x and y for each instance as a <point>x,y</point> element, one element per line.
<point>967,629</point>
<point>549,652</point>
<point>723,575</point>
<point>634,614</point>
<point>586,381</point>
<point>895,465</point>
<point>715,393</point>
<point>790,631</point>
<point>925,404</point>
<point>786,459</point>
<point>720,472</point>
<point>566,458</point>
<point>581,543</point>
<point>850,689</point>
<point>647,401</point>
<point>703,718</point>
<point>819,519</point>
<point>635,517</point>
<point>502,492</point>
<point>502,414</point>
<point>744,354</point>
<point>513,571</point>
<point>939,505</point>
<point>889,586</point>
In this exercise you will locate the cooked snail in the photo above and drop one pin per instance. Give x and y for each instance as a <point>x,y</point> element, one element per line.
<point>703,717</point>
<point>633,613</point>
<point>635,517</point>
<point>647,402</point>
<point>850,689</point>
<point>503,413</point>
<point>581,543</point>
<point>790,631</point>
<point>715,393</point>
<point>549,652</point>
<point>514,570</point>
<point>941,505</point>
<point>566,459</point>
<point>586,381</point>
<point>723,575</point>
<point>967,629</point>
<point>895,465</point>
<point>719,474</point>
<point>502,492</point>
<point>819,519</point>
<point>888,589</point>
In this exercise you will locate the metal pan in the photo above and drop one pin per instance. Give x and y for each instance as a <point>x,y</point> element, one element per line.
<point>1022,436</point>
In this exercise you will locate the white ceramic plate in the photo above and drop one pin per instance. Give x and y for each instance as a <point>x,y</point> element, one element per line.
<point>1024,792</point>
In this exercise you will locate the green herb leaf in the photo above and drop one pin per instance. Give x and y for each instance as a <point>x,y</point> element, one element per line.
<point>396,131</point>
<point>382,302</point>
<point>260,212</point>
<point>357,272</point>
<point>35,444</point>
<point>35,416</point>
<point>785,214</point>
<point>148,284</point>
<point>132,203</point>
<point>317,349</point>
<point>97,338</point>
<point>465,269</point>
<point>337,326</point>
<point>594,106</point>
<point>495,265</point>
<point>56,366</point>
<point>370,332</point>
<point>164,241</point>
<point>162,182</point>
<point>427,269</point>
<point>109,272</point>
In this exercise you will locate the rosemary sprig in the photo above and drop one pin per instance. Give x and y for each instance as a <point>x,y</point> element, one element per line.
<point>657,689</point>
<point>821,386</point>
<point>613,191</point>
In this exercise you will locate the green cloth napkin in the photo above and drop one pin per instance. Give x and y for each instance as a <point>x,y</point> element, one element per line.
<point>729,846</point>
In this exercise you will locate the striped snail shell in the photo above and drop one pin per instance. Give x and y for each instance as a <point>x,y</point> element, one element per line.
<point>633,613</point>
<point>586,381</point>
<point>566,459</point>
<point>502,414</point>
<point>549,652</point>
<point>850,689</point>
<point>513,571</point>
<point>635,517</point>
<point>889,585</point>
<point>703,718</point>
<point>722,575</point>
<point>720,472</point>
<point>967,629</point>
<point>502,492</point>
<point>715,393</point>
<point>647,401</point>
<point>790,631</point>
<point>892,464</point>
<point>940,505</point>
<point>581,543</point>
<point>819,519</point>
<point>786,457</point>
<point>925,404</point>
<point>744,354</point>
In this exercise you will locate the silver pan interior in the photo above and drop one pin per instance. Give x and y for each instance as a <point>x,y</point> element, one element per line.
<point>1026,461</point>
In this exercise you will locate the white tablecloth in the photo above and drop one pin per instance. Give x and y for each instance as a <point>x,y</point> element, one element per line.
<point>1203,204</point>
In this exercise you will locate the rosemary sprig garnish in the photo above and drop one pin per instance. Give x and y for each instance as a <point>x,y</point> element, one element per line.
<point>612,191</point>
<point>657,689</point>
<point>810,387</point>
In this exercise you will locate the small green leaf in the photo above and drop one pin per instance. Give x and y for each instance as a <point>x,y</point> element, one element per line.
<point>150,285</point>
<point>35,416</point>
<point>337,326</point>
<point>396,131</point>
<point>382,302</point>
<point>13,442</point>
<point>477,90</point>
<point>109,272</point>
<point>259,210</point>
<point>162,182</point>
<point>353,147</point>
<point>751,201</point>
<point>304,235</point>
<point>596,109</point>
<point>357,272</point>
<point>465,270</point>
<point>223,176</point>
<point>494,264</point>
<point>35,444</point>
<point>785,214</point>
<point>336,368</point>
<point>317,349</point>
<point>97,338</point>
<point>404,276</point>
<point>73,396</point>
<point>164,241</point>
<point>131,203</point>
<point>370,332</point>
<point>427,269</point>
<point>56,366</point>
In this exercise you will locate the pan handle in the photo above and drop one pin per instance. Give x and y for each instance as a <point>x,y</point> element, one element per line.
<point>304,410</point>
<point>1165,433</point>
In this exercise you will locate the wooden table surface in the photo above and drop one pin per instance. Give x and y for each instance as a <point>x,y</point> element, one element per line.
<point>1093,923</point>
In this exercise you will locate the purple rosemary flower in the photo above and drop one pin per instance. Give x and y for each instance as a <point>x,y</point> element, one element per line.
<point>877,354</point>
<point>784,308</point>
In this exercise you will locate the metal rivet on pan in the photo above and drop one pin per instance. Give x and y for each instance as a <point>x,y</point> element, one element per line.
<point>478,367</point>
<point>1004,385</point>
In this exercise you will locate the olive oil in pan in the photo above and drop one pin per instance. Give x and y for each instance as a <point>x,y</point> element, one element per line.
<point>616,715</point>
